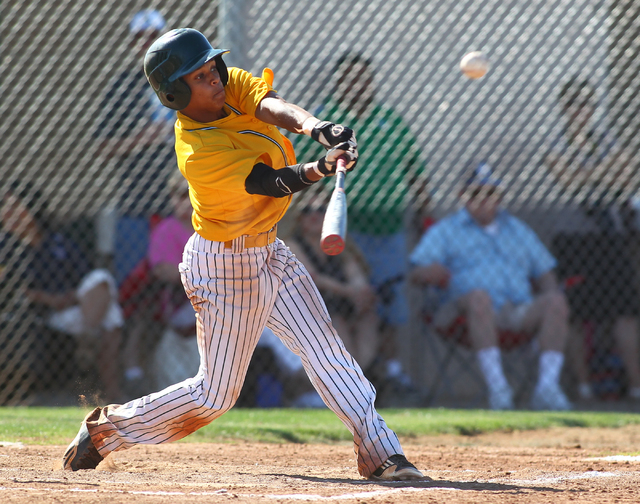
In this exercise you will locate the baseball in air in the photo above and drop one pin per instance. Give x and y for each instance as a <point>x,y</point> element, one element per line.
<point>474,65</point>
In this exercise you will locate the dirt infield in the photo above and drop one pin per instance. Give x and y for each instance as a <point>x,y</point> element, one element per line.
<point>557,465</point>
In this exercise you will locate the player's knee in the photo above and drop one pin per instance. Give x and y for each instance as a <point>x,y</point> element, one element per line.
<point>478,302</point>
<point>555,305</point>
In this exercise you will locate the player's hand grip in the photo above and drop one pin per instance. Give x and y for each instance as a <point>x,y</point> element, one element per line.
<point>334,227</point>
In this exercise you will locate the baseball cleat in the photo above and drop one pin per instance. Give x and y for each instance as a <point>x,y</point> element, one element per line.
<point>397,468</point>
<point>81,453</point>
<point>550,398</point>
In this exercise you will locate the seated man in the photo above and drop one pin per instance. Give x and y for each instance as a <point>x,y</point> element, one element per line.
<point>58,282</point>
<point>486,261</point>
<point>343,281</point>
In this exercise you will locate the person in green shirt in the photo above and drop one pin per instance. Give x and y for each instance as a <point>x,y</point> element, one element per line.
<point>378,195</point>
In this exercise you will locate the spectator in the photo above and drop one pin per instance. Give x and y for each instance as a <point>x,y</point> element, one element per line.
<point>177,349</point>
<point>343,282</point>
<point>592,165</point>
<point>136,129</point>
<point>72,298</point>
<point>378,196</point>
<point>484,260</point>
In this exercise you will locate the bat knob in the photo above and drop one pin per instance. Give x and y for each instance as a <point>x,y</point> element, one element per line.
<point>332,245</point>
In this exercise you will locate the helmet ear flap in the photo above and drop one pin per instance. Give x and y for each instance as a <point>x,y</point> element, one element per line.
<point>175,95</point>
<point>222,69</point>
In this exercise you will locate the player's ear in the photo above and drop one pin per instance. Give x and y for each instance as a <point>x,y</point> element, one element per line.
<point>175,95</point>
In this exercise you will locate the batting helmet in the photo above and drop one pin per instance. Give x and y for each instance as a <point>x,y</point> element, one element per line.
<point>174,55</point>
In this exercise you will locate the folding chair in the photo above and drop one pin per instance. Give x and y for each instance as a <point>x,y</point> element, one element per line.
<point>454,357</point>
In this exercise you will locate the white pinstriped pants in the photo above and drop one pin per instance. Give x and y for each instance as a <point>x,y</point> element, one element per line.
<point>235,295</point>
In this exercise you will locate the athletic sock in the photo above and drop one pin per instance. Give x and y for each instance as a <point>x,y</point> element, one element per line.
<point>133,373</point>
<point>394,370</point>
<point>490,361</point>
<point>549,368</point>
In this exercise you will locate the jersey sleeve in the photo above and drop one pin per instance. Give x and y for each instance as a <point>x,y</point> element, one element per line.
<point>245,91</point>
<point>542,261</point>
<point>432,247</point>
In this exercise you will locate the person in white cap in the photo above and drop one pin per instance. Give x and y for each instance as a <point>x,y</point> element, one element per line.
<point>135,128</point>
<point>484,262</point>
<point>135,133</point>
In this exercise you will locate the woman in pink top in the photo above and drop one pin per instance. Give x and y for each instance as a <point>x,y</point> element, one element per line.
<point>166,244</point>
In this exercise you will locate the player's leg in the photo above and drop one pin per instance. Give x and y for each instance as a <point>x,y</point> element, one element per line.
<point>477,308</point>
<point>625,333</point>
<point>96,296</point>
<point>301,320</point>
<point>230,319</point>
<point>548,317</point>
<point>386,256</point>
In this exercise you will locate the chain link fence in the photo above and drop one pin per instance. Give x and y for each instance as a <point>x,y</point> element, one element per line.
<point>88,154</point>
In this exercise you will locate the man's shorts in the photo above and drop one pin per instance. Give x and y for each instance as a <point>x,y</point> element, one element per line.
<point>450,322</point>
<point>387,259</point>
<point>70,320</point>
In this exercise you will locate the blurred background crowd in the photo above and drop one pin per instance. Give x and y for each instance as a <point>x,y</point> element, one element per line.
<point>494,227</point>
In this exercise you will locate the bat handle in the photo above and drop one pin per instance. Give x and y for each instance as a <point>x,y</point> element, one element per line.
<point>341,172</point>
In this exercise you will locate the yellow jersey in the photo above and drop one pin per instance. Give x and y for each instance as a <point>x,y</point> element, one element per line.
<point>217,157</point>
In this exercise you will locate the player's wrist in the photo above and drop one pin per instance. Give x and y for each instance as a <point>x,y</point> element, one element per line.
<point>308,124</point>
<point>315,169</point>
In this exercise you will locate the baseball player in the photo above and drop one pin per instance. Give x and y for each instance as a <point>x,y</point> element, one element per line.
<point>238,275</point>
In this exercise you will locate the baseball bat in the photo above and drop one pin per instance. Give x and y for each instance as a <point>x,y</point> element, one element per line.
<point>334,226</point>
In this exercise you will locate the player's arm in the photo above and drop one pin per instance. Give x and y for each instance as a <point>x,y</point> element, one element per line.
<point>166,272</point>
<point>360,291</point>
<point>431,274</point>
<point>288,180</point>
<point>273,109</point>
<point>548,282</point>
<point>323,281</point>
<point>57,301</point>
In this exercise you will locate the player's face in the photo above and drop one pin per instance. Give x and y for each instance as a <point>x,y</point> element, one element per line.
<point>355,83</point>
<point>579,111</point>
<point>483,204</point>
<point>142,40</point>
<point>312,217</point>
<point>15,216</point>
<point>207,94</point>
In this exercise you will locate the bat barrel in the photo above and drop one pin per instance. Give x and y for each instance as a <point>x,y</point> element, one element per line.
<point>334,226</point>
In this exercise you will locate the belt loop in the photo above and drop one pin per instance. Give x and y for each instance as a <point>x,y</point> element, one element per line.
<point>238,244</point>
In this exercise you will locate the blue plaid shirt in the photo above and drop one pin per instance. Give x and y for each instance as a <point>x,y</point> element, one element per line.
<point>502,262</point>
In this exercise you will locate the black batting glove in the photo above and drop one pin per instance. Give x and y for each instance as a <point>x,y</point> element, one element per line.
<point>330,134</point>
<point>327,164</point>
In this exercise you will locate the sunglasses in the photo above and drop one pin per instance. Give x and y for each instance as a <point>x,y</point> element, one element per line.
<point>484,192</point>
<point>310,210</point>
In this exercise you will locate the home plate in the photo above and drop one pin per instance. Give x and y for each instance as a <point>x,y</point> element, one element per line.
<point>619,458</point>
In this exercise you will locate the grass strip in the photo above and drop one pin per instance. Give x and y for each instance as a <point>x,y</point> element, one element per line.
<point>37,425</point>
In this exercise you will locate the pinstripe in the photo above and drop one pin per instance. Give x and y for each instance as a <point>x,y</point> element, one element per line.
<point>235,295</point>
<point>266,137</point>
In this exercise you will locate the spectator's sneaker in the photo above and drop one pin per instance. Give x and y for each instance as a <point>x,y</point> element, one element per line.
<point>81,453</point>
<point>501,399</point>
<point>309,400</point>
<point>397,468</point>
<point>584,391</point>
<point>550,398</point>
<point>634,393</point>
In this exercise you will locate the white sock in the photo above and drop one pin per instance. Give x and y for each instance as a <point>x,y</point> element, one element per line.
<point>133,373</point>
<point>394,368</point>
<point>490,360</point>
<point>549,368</point>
